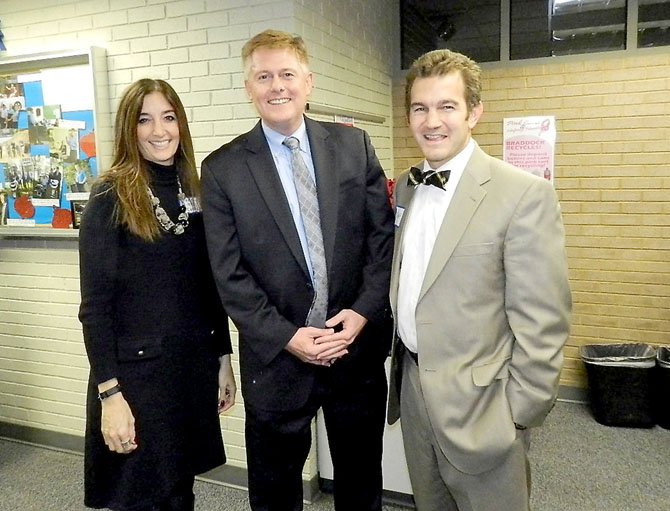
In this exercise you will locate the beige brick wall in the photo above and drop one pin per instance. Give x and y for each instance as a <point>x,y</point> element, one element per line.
<point>353,54</point>
<point>43,368</point>
<point>195,45</point>
<point>612,178</point>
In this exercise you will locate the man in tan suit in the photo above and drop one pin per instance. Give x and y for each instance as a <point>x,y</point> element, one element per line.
<point>481,302</point>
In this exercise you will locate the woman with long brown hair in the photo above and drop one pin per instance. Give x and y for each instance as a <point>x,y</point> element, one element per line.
<point>156,335</point>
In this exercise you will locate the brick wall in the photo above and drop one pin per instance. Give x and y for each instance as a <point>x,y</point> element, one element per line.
<point>612,178</point>
<point>353,49</point>
<point>43,367</point>
<point>195,45</point>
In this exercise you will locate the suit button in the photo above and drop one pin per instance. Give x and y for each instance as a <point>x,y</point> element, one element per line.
<point>140,353</point>
<point>309,285</point>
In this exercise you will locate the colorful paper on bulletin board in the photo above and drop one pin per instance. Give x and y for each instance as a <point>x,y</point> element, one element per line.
<point>529,142</point>
<point>80,170</point>
<point>33,94</point>
<point>42,158</point>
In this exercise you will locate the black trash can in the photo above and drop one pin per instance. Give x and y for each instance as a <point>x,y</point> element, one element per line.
<point>662,401</point>
<point>621,383</point>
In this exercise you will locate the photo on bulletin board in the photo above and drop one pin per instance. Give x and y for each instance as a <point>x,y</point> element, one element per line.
<point>47,144</point>
<point>77,208</point>
<point>3,207</point>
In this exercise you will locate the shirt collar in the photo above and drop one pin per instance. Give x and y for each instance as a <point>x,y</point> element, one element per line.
<point>276,139</point>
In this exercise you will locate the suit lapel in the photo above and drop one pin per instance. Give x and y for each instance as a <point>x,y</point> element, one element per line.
<point>325,159</point>
<point>467,197</point>
<point>262,168</point>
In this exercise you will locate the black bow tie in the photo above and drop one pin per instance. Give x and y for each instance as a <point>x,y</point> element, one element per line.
<point>432,177</point>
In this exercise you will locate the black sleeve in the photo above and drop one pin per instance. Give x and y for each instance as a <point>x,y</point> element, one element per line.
<point>373,301</point>
<point>98,255</point>
<point>220,318</point>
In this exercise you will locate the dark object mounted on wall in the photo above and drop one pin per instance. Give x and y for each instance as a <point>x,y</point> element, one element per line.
<point>76,209</point>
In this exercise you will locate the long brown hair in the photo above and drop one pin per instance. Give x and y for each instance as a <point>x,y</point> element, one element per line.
<point>128,175</point>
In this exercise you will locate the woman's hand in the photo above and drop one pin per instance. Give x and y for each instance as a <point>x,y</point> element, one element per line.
<point>227,387</point>
<point>118,423</point>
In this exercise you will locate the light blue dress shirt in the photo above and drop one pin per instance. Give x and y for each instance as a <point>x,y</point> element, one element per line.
<point>282,157</point>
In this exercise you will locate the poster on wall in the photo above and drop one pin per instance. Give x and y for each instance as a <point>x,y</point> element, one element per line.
<point>47,145</point>
<point>529,142</point>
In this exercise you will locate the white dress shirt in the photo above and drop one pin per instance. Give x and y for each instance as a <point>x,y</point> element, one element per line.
<point>425,216</point>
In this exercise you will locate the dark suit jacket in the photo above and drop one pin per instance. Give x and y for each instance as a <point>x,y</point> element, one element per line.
<point>259,265</point>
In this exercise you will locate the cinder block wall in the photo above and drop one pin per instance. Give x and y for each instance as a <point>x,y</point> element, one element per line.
<point>612,179</point>
<point>43,369</point>
<point>195,45</point>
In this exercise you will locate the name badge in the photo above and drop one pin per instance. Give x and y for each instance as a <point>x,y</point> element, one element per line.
<point>192,205</point>
<point>399,212</point>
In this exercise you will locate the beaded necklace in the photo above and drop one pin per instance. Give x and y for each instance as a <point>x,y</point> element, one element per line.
<point>163,219</point>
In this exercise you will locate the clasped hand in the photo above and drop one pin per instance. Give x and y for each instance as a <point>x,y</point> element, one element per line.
<point>322,346</point>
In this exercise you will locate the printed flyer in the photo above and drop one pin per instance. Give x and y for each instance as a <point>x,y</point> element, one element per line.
<point>529,142</point>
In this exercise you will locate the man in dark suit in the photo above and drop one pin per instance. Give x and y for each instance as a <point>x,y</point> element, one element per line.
<point>272,281</point>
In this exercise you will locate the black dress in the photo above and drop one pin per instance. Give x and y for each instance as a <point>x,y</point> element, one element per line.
<point>151,318</point>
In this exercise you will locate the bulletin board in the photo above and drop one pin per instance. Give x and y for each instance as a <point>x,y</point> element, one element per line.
<point>48,138</point>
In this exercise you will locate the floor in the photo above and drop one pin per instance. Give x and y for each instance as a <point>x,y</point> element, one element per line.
<point>578,465</point>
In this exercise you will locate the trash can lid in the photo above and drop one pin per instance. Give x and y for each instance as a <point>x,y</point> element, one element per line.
<point>626,354</point>
<point>663,356</point>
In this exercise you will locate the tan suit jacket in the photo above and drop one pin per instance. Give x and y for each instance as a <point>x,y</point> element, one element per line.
<point>493,312</point>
